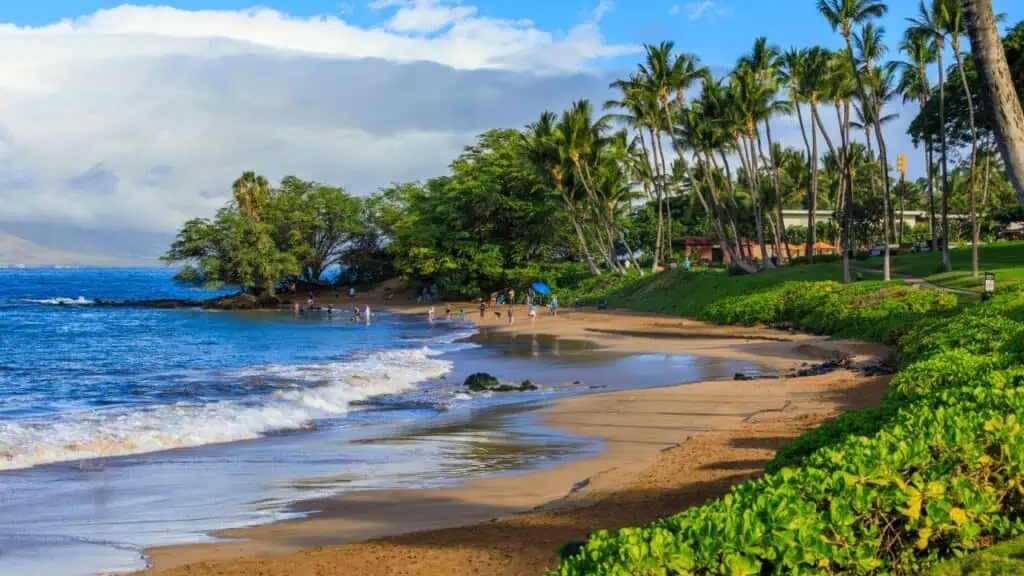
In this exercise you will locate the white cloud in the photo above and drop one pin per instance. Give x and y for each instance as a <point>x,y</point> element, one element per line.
<point>140,116</point>
<point>697,10</point>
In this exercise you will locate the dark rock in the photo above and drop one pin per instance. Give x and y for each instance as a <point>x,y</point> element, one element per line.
<point>481,381</point>
<point>742,376</point>
<point>526,386</point>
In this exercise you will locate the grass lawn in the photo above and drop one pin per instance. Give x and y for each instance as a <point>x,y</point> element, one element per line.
<point>683,293</point>
<point>1006,559</point>
<point>1005,259</point>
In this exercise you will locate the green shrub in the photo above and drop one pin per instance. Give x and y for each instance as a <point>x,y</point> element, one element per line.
<point>936,472</point>
<point>931,483</point>
<point>952,368</point>
<point>974,330</point>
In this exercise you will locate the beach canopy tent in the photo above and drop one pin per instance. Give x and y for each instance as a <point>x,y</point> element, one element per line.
<point>541,288</point>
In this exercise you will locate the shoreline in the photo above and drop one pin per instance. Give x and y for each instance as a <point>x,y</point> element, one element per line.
<point>637,428</point>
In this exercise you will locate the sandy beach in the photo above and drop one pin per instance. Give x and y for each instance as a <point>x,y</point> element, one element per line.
<point>665,449</point>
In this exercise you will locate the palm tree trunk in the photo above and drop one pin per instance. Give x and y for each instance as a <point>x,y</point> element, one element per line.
<point>871,156</point>
<point>755,196</point>
<point>732,196</point>
<point>780,224</point>
<point>667,243</point>
<point>946,264</point>
<point>882,154</point>
<point>583,242</point>
<point>812,196</point>
<point>932,224</point>
<point>974,152</point>
<point>812,184</point>
<point>849,242</point>
<point>997,84</point>
<point>584,174</point>
<point>658,247</point>
<point>715,218</point>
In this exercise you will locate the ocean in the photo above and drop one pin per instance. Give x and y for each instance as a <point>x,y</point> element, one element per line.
<point>122,428</point>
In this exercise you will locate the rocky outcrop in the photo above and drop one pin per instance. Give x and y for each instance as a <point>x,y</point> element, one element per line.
<point>484,382</point>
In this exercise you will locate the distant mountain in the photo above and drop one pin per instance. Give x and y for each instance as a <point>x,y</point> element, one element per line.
<point>15,251</point>
<point>65,237</point>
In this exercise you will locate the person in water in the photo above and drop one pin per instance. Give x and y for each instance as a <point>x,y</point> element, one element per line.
<point>430,313</point>
<point>355,312</point>
<point>447,311</point>
<point>330,309</point>
<point>367,313</point>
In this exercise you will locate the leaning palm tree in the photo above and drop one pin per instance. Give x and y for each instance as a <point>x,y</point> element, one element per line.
<point>542,140</point>
<point>842,16</point>
<point>638,109</point>
<point>920,49</point>
<point>997,84</point>
<point>931,21</point>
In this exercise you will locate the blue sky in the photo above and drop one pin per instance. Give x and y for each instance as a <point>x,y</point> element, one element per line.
<point>717,30</point>
<point>139,117</point>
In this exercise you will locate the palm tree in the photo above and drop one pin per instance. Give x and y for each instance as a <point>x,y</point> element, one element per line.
<point>842,15</point>
<point>815,86</point>
<point>668,75</point>
<point>766,61</point>
<point>874,89</point>
<point>544,149</point>
<point>930,22</point>
<point>791,73</point>
<point>920,49</point>
<point>250,192</point>
<point>748,102</point>
<point>952,24</point>
<point>639,110</point>
<point>997,84</point>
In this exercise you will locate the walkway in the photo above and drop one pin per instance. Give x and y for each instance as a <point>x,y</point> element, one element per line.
<point>920,282</point>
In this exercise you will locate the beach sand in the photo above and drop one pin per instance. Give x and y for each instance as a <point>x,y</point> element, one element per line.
<point>665,449</point>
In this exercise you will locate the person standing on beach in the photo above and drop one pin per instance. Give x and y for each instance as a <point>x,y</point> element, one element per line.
<point>554,305</point>
<point>511,309</point>
<point>447,311</point>
<point>532,313</point>
<point>483,308</point>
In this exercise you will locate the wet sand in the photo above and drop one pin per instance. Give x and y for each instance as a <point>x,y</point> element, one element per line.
<point>664,449</point>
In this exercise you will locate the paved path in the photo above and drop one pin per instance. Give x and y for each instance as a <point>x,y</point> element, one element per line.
<point>921,282</point>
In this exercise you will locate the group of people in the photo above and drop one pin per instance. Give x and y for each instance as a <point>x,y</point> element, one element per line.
<point>508,297</point>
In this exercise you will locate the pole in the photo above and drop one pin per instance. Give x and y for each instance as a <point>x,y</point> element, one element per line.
<point>903,189</point>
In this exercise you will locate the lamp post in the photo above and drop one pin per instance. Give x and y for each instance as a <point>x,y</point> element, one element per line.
<point>989,287</point>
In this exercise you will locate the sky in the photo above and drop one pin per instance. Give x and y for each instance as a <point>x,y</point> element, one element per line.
<point>136,117</point>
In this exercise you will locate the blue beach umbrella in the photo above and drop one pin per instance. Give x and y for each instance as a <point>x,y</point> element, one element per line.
<point>541,288</point>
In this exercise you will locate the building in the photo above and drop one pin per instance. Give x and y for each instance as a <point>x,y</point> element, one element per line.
<point>911,218</point>
<point>709,250</point>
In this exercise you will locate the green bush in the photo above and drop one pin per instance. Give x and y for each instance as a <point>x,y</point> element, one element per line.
<point>952,368</point>
<point>936,472</point>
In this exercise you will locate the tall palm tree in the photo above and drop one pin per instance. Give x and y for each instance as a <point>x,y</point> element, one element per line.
<point>997,84</point>
<point>791,73</point>
<point>952,25</point>
<point>931,21</point>
<point>250,192</point>
<point>815,86</point>
<point>766,61</point>
<point>668,76</point>
<point>842,16</point>
<point>639,110</point>
<point>841,87</point>
<point>920,48</point>
<point>874,89</point>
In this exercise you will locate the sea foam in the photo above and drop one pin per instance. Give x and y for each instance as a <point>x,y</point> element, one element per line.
<point>325,392</point>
